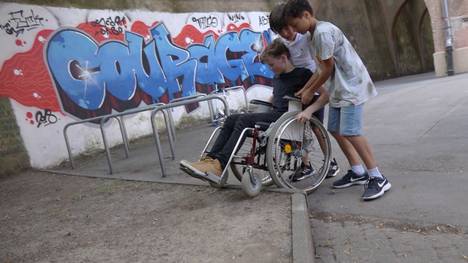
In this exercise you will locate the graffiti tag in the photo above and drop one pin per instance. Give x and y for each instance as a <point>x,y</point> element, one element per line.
<point>45,118</point>
<point>110,25</point>
<point>235,17</point>
<point>263,20</point>
<point>20,21</point>
<point>206,21</point>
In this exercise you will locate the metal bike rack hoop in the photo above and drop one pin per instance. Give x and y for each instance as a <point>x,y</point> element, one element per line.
<point>173,105</point>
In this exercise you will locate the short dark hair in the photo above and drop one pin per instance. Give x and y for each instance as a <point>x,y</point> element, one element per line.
<point>277,21</point>
<point>275,49</point>
<point>295,8</point>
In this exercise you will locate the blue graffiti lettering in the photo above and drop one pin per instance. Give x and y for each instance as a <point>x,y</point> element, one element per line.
<point>75,66</point>
<point>228,57</point>
<point>176,62</point>
<point>252,44</point>
<point>149,74</point>
<point>86,73</point>
<point>207,70</point>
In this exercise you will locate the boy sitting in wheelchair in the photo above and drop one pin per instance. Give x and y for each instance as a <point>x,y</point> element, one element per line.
<point>286,82</point>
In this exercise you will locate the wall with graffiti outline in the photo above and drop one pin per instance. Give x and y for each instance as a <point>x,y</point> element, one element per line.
<point>60,65</point>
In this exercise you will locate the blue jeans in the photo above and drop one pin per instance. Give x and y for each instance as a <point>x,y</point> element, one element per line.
<point>346,121</point>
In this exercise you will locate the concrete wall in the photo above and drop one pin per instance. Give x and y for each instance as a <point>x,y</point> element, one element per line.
<point>60,65</point>
<point>390,36</point>
<point>175,6</point>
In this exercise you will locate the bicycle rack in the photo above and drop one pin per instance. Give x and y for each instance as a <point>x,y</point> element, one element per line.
<point>68,125</point>
<point>183,99</point>
<point>173,105</point>
<point>123,131</point>
<point>133,111</point>
<point>224,91</point>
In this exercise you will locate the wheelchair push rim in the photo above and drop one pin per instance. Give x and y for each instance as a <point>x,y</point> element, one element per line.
<point>289,144</point>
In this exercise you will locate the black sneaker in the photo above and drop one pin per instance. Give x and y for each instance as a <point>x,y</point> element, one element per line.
<point>349,179</point>
<point>333,170</point>
<point>302,173</point>
<point>376,187</point>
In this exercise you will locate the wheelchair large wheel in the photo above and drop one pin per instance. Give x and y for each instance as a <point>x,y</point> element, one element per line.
<point>239,166</point>
<point>291,143</point>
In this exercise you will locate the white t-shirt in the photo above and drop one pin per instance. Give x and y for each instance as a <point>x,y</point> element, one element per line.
<point>350,84</point>
<point>299,50</point>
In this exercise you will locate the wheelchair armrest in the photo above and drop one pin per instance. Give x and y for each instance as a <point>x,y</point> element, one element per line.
<point>261,102</point>
<point>260,106</point>
<point>294,103</point>
<point>263,126</point>
<point>292,98</point>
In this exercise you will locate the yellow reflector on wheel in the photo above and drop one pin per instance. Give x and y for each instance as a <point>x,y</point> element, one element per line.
<point>287,148</point>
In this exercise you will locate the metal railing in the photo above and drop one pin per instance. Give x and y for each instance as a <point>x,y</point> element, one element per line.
<point>208,98</point>
<point>183,99</point>
<point>67,141</point>
<point>223,92</point>
<point>125,140</point>
<point>154,108</point>
<point>119,118</point>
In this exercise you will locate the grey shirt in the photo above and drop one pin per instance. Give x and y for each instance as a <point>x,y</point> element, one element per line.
<point>350,83</point>
<point>300,53</point>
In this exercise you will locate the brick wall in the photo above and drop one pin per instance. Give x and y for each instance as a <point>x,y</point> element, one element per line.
<point>458,12</point>
<point>13,156</point>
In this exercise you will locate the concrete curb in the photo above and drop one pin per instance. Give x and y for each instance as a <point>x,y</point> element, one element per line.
<point>161,181</point>
<point>302,243</point>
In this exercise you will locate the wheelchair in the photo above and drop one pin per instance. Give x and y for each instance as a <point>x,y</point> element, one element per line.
<point>270,154</point>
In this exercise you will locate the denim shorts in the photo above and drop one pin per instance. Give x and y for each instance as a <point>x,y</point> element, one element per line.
<point>346,121</point>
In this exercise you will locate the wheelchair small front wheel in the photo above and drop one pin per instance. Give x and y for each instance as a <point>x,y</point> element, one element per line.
<point>251,183</point>
<point>238,165</point>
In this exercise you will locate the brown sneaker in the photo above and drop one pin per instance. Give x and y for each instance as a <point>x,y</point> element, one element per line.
<point>206,158</point>
<point>206,170</point>
<point>212,166</point>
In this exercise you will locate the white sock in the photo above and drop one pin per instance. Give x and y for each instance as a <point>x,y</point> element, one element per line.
<point>358,169</point>
<point>374,172</point>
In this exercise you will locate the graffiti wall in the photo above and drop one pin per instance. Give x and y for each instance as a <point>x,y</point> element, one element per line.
<point>61,65</point>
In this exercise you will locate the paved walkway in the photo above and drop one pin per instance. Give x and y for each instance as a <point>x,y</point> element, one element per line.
<point>418,129</point>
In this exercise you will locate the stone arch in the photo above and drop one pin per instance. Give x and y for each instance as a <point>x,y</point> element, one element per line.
<point>412,38</point>
<point>426,41</point>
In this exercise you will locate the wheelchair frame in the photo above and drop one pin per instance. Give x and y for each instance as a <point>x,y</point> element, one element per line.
<point>250,163</point>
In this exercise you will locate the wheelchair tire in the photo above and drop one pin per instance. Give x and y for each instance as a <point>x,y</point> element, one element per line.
<point>267,180</point>
<point>238,171</point>
<point>251,183</point>
<point>286,147</point>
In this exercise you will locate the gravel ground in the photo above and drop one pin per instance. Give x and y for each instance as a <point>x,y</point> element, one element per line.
<point>56,218</point>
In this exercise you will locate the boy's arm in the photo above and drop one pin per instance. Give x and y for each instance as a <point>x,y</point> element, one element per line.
<point>311,80</point>
<point>315,83</point>
<point>318,104</point>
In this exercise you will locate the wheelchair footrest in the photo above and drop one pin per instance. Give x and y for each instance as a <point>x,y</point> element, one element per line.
<point>192,171</point>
